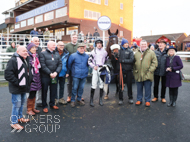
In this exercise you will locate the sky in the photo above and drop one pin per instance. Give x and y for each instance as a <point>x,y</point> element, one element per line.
<point>158,16</point>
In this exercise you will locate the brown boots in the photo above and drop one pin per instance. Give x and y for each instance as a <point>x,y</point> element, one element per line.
<point>31,107</point>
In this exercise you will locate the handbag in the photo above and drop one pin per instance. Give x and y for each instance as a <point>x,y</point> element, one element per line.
<point>181,75</point>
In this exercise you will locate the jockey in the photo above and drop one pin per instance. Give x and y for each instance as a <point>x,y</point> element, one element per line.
<point>96,62</point>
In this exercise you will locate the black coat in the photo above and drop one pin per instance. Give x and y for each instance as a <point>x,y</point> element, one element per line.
<point>11,75</point>
<point>126,57</point>
<point>49,65</point>
<point>161,58</point>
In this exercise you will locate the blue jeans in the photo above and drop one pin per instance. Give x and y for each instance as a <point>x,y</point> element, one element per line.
<point>78,84</point>
<point>61,81</point>
<point>18,103</point>
<point>147,85</point>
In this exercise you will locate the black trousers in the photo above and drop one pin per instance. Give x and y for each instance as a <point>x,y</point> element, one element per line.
<point>173,93</point>
<point>69,85</point>
<point>46,82</point>
<point>32,94</point>
<point>156,86</point>
<point>127,78</point>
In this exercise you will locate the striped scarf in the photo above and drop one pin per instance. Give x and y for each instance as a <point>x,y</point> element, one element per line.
<point>21,72</point>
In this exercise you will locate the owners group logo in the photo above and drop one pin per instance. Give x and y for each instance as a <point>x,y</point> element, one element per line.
<point>40,124</point>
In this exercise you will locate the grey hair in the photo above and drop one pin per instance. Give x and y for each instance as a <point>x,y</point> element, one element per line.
<point>143,41</point>
<point>33,38</point>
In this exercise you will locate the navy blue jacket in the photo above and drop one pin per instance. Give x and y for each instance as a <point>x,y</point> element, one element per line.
<point>34,33</point>
<point>78,65</point>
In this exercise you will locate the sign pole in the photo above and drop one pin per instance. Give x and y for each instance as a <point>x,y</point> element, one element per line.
<point>104,38</point>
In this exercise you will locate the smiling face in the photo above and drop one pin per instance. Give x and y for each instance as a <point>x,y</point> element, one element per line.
<point>143,46</point>
<point>51,45</point>
<point>81,49</point>
<point>22,51</point>
<point>171,52</point>
<point>33,50</point>
<point>36,41</point>
<point>60,46</point>
<point>74,38</point>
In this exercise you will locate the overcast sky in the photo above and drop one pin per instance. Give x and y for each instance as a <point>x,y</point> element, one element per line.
<point>160,16</point>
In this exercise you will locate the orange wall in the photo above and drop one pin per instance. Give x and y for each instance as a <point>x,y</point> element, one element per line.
<point>77,7</point>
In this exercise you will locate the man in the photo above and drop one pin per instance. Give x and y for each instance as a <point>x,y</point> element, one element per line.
<point>71,48</point>
<point>46,36</point>
<point>160,72</point>
<point>34,33</point>
<point>61,79</point>
<point>89,36</point>
<point>18,74</point>
<point>78,65</point>
<point>36,41</point>
<point>96,62</point>
<point>96,34</point>
<point>126,60</point>
<point>143,70</point>
<point>51,66</point>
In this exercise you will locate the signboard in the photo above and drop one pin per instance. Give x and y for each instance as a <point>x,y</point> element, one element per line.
<point>43,9</point>
<point>104,23</point>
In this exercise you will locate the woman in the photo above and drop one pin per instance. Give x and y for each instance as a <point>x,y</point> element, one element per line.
<point>36,84</point>
<point>11,48</point>
<point>173,80</point>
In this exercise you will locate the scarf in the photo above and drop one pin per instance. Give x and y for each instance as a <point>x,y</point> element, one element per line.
<point>35,63</point>
<point>60,52</point>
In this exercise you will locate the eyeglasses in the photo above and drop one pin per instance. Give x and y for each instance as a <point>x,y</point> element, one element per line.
<point>61,45</point>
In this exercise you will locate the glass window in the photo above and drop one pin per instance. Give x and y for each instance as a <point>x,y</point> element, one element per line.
<point>91,14</point>
<point>17,25</point>
<point>106,2</point>
<point>30,21</point>
<point>121,6</point>
<point>85,13</point>
<point>23,23</point>
<point>94,1</point>
<point>121,33</point>
<point>39,19</point>
<point>49,16</point>
<point>70,30</point>
<point>59,33</point>
<point>61,12</point>
<point>121,20</point>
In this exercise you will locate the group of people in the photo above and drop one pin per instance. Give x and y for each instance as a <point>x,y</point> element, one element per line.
<point>89,37</point>
<point>31,70</point>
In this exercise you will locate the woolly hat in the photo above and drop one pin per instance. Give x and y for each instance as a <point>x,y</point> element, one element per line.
<point>115,46</point>
<point>171,47</point>
<point>29,46</point>
<point>124,41</point>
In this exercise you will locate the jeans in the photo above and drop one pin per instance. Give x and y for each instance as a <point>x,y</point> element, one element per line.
<point>156,86</point>
<point>17,107</point>
<point>147,85</point>
<point>61,81</point>
<point>46,82</point>
<point>78,84</point>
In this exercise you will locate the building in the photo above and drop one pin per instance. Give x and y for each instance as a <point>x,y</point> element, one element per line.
<point>175,39</point>
<point>62,17</point>
<point>186,43</point>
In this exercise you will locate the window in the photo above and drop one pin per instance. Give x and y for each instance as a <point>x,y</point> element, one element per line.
<point>17,25</point>
<point>94,1</point>
<point>121,20</point>
<point>121,6</point>
<point>23,23</point>
<point>61,12</point>
<point>91,14</point>
<point>30,21</point>
<point>12,28</point>
<point>59,33</point>
<point>106,2</point>
<point>39,19</point>
<point>49,16</point>
<point>121,33</point>
<point>70,30</point>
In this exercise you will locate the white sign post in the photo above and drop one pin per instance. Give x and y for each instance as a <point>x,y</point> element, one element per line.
<point>104,23</point>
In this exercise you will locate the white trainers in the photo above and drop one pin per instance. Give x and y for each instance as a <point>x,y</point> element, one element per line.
<point>62,101</point>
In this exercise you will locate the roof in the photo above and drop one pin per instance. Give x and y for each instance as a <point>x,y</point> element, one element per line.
<point>154,38</point>
<point>187,39</point>
<point>3,26</point>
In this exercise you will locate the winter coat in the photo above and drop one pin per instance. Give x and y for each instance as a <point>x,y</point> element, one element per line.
<point>50,63</point>
<point>64,58</point>
<point>11,75</point>
<point>11,49</point>
<point>173,79</point>
<point>96,34</point>
<point>78,65</point>
<point>161,58</point>
<point>36,83</point>
<point>46,35</point>
<point>71,48</point>
<point>40,34</point>
<point>34,33</point>
<point>143,70</point>
<point>97,57</point>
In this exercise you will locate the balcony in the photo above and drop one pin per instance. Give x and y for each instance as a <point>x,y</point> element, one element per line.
<point>19,2</point>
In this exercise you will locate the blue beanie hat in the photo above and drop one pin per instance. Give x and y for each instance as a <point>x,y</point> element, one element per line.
<point>124,41</point>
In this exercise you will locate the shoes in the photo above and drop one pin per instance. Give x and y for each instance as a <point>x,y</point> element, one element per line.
<point>22,120</point>
<point>72,104</point>
<point>33,108</point>
<point>81,103</point>
<point>154,99</point>
<point>45,110</point>
<point>120,102</point>
<point>54,107</point>
<point>147,104</point>
<point>163,100</point>
<point>106,97</point>
<point>68,99</point>
<point>130,101</point>
<point>174,104</point>
<point>62,101</point>
<point>138,103</point>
